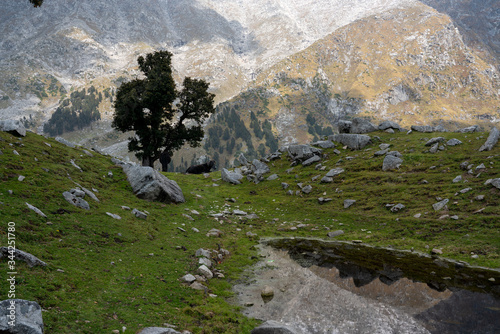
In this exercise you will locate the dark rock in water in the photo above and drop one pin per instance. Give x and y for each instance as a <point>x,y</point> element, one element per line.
<point>491,141</point>
<point>352,141</point>
<point>13,126</point>
<point>28,317</point>
<point>149,184</point>
<point>274,327</point>
<point>30,259</point>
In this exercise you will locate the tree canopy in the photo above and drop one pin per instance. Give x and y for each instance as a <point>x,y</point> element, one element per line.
<point>162,117</point>
<point>36,3</point>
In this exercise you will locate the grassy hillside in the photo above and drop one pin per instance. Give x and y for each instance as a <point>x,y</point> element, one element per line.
<point>104,274</point>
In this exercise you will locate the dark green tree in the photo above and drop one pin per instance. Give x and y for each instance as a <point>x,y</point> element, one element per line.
<point>36,3</point>
<point>147,107</point>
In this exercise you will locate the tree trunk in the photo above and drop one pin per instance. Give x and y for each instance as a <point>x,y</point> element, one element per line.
<point>148,162</point>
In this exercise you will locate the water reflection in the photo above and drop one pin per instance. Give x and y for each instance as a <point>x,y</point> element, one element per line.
<point>324,287</point>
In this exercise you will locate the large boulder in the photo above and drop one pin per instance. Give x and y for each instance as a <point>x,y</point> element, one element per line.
<point>149,184</point>
<point>391,162</point>
<point>13,126</point>
<point>361,125</point>
<point>422,128</point>
<point>388,125</point>
<point>491,141</point>
<point>344,126</point>
<point>30,259</point>
<point>470,129</point>
<point>259,168</point>
<point>303,152</point>
<point>274,327</point>
<point>26,314</point>
<point>353,141</point>
<point>231,177</point>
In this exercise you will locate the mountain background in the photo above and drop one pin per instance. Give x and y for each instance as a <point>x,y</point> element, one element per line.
<point>282,71</point>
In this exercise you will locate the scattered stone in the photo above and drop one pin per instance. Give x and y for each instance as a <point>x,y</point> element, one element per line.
<point>231,177</point>
<point>479,198</point>
<point>395,154</point>
<point>496,183</point>
<point>322,200</point>
<point>75,197</point>
<point>14,127</point>
<point>149,184</point>
<point>259,168</point>
<point>203,270</point>
<point>273,177</point>
<point>397,207</point>
<point>384,146</point>
<point>31,207</point>
<point>307,189</point>
<point>326,179</point>
<point>388,125</point>
<point>202,252</point>
<point>434,141</point>
<point>205,261</point>
<point>188,217</point>
<point>457,179</point>
<point>214,233</point>
<point>21,178</point>
<point>334,172</point>
<point>470,129</point>
<point>28,317</point>
<point>239,213</point>
<point>302,152</point>
<point>324,144</point>
<point>311,160</point>
<point>418,215</point>
<point>274,327</point>
<point>422,128</point>
<point>453,142</point>
<point>284,185</point>
<point>352,141</point>
<point>335,233</point>
<point>30,259</point>
<point>381,153</point>
<point>361,125</point>
<point>267,292</point>
<point>434,148</point>
<point>195,230</point>
<point>491,141</point>
<point>114,216</point>
<point>436,251</point>
<point>391,162</point>
<point>440,205</point>
<point>188,278</point>
<point>139,214</point>
<point>15,152</point>
<point>348,203</point>
<point>250,234</point>
<point>463,191</point>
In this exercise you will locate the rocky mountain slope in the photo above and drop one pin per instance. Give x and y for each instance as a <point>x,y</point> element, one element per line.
<point>225,42</point>
<point>408,65</point>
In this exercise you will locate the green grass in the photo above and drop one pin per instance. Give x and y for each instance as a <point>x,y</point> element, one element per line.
<point>92,295</point>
